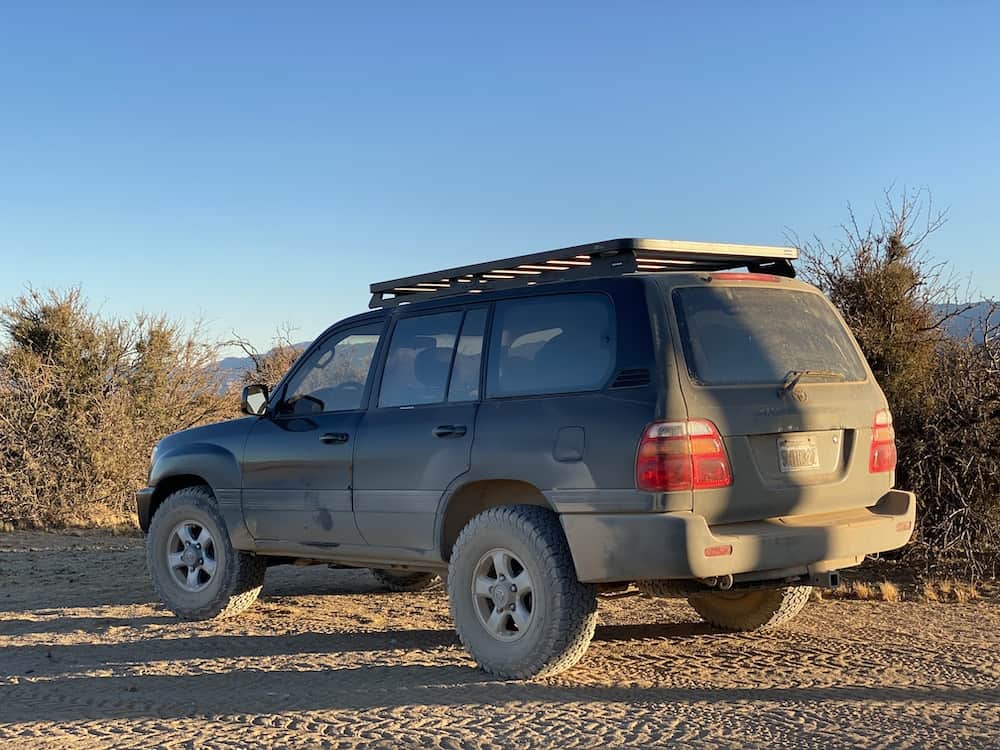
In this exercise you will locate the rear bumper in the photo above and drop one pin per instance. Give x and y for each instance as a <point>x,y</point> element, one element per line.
<point>143,502</point>
<point>638,546</point>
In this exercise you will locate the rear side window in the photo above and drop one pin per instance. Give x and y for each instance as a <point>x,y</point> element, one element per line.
<point>419,359</point>
<point>745,335</point>
<point>558,344</point>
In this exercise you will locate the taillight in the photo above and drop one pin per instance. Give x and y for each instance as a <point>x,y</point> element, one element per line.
<point>686,455</point>
<point>883,452</point>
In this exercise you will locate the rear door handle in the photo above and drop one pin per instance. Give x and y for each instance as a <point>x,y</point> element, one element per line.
<point>449,430</point>
<point>332,438</point>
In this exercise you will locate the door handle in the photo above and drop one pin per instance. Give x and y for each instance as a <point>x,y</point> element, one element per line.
<point>449,430</point>
<point>332,438</point>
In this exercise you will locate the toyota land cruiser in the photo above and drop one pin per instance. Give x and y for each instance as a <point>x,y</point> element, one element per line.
<point>627,415</point>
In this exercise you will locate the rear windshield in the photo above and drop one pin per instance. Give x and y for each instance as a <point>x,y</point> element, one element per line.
<point>741,335</point>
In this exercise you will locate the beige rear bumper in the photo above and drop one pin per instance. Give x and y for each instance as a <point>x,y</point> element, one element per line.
<point>629,547</point>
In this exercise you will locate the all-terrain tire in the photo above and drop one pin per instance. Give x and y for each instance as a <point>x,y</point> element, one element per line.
<point>563,610</point>
<point>751,610</point>
<point>398,580</point>
<point>237,578</point>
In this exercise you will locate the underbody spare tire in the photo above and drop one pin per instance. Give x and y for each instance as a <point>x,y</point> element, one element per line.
<point>404,580</point>
<point>751,610</point>
<point>195,570</point>
<point>517,605</point>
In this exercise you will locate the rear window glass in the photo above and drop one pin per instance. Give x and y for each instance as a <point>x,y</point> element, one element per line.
<point>743,335</point>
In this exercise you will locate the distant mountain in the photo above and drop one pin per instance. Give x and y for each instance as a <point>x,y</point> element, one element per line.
<point>968,321</point>
<point>234,367</point>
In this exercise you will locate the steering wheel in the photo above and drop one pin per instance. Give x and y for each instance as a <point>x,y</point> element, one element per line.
<point>350,385</point>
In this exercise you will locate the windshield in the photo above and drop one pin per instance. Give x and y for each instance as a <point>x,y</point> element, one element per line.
<point>734,335</point>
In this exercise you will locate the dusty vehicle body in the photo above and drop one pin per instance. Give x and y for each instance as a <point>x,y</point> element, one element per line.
<point>543,429</point>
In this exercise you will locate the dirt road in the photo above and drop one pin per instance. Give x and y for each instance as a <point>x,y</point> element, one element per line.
<point>325,659</point>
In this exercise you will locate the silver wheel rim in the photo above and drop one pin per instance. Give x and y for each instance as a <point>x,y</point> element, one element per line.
<point>503,595</point>
<point>191,556</point>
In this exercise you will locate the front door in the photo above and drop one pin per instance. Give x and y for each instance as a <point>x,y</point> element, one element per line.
<point>417,438</point>
<point>298,460</point>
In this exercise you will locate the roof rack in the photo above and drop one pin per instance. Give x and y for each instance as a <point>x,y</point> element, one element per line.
<point>608,258</point>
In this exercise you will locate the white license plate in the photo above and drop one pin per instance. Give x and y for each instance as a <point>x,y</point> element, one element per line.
<point>797,454</point>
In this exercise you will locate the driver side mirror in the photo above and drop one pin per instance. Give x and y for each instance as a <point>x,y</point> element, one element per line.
<point>254,400</point>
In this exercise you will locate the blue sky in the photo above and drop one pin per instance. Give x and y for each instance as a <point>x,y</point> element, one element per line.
<point>260,165</point>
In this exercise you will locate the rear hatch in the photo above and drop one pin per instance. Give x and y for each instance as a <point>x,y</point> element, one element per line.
<point>772,364</point>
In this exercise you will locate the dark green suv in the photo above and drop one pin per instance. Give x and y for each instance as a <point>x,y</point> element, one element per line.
<point>543,429</point>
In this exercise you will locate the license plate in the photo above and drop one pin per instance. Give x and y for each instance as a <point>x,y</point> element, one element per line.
<point>797,454</point>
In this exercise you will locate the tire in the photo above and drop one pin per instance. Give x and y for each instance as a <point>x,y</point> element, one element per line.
<point>397,580</point>
<point>557,613</point>
<point>751,610</point>
<point>187,588</point>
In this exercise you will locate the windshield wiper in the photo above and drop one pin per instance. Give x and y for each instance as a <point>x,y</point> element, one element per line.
<point>792,377</point>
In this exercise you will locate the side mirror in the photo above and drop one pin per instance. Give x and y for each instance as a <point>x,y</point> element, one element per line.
<point>254,400</point>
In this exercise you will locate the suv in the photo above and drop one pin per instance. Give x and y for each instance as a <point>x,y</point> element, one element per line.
<point>544,429</point>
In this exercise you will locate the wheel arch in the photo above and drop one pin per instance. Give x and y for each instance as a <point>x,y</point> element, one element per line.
<point>472,498</point>
<point>171,484</point>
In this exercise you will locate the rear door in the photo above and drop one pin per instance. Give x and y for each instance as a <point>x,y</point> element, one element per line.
<point>417,436</point>
<point>771,363</point>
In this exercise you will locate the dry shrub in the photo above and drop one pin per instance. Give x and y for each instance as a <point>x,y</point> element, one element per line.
<point>888,591</point>
<point>84,399</point>
<point>929,593</point>
<point>267,368</point>
<point>944,392</point>
<point>862,590</point>
<point>948,590</point>
<point>885,591</point>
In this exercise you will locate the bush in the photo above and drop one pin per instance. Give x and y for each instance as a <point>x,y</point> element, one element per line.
<point>944,392</point>
<point>267,368</point>
<point>83,400</point>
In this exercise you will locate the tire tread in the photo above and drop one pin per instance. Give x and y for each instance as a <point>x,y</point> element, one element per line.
<point>779,607</point>
<point>244,578</point>
<point>574,605</point>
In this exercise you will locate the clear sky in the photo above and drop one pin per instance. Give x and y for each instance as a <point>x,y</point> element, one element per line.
<point>262,165</point>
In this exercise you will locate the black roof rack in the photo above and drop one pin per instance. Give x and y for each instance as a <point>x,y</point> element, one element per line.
<point>608,258</point>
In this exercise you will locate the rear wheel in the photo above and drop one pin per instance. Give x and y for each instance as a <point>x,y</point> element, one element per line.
<point>515,599</point>
<point>751,610</point>
<point>397,580</point>
<point>195,570</point>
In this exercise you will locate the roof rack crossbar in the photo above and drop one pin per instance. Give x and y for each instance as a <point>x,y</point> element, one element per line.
<point>608,258</point>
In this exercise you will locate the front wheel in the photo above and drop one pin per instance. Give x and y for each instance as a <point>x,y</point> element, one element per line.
<point>195,570</point>
<point>751,610</point>
<point>517,604</point>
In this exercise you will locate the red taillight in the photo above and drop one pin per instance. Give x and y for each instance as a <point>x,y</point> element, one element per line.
<point>740,276</point>
<point>685,455</point>
<point>882,457</point>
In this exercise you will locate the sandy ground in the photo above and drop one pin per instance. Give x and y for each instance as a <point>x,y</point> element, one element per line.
<point>325,659</point>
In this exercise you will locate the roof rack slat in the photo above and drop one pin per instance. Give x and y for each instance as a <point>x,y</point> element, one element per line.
<point>611,257</point>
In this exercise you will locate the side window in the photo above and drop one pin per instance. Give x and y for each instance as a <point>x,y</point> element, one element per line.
<point>556,344</point>
<point>419,359</point>
<point>333,377</point>
<point>465,372</point>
